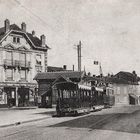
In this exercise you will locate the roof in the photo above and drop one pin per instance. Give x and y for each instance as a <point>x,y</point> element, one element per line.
<point>123,78</point>
<point>55,75</point>
<point>55,69</point>
<point>90,79</point>
<point>12,27</point>
<point>35,40</point>
<point>62,79</point>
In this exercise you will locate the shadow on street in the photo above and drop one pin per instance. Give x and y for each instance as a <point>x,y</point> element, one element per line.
<point>124,122</point>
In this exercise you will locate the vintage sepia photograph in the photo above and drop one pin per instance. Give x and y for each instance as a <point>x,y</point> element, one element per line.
<point>69,69</point>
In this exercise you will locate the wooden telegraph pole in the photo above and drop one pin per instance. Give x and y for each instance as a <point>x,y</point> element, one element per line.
<point>79,56</point>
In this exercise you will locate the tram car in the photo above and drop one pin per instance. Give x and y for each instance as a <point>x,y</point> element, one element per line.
<point>74,99</point>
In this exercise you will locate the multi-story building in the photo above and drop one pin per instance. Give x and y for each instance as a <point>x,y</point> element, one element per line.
<point>22,56</point>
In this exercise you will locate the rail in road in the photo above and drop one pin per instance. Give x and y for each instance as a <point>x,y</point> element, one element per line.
<point>103,121</point>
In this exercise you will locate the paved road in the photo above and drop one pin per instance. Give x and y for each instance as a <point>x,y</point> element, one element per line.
<point>112,124</point>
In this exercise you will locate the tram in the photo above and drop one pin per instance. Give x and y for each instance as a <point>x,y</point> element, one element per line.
<point>74,98</point>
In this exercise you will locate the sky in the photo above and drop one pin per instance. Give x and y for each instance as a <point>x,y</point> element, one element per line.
<point>108,29</point>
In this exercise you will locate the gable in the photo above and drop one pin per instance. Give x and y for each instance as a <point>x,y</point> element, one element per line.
<point>16,41</point>
<point>22,48</point>
<point>9,47</point>
<point>61,79</point>
<point>34,41</point>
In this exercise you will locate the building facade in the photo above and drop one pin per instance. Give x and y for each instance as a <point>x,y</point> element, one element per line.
<point>22,56</point>
<point>126,88</point>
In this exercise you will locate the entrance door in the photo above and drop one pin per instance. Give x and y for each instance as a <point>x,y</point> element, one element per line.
<point>47,99</point>
<point>11,96</point>
<point>23,94</point>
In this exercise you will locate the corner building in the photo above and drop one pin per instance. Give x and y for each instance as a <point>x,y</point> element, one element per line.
<point>22,56</point>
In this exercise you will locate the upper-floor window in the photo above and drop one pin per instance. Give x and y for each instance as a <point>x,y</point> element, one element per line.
<point>23,74</point>
<point>16,39</point>
<point>38,69</point>
<point>9,55</point>
<point>9,74</point>
<point>22,56</point>
<point>38,59</point>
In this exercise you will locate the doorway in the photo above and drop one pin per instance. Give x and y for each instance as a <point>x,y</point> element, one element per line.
<point>11,96</point>
<point>23,97</point>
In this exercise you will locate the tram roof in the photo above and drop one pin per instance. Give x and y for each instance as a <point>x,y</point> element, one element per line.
<point>55,75</point>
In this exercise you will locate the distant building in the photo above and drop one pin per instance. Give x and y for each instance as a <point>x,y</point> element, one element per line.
<point>22,56</point>
<point>56,69</point>
<point>126,88</point>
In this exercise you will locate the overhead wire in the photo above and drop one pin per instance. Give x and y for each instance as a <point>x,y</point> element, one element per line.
<point>36,17</point>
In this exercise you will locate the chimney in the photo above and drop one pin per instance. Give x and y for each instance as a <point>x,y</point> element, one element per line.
<point>43,40</point>
<point>33,33</point>
<point>65,67</point>
<point>23,27</point>
<point>7,25</point>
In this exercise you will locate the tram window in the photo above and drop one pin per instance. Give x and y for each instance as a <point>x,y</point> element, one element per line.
<point>112,92</point>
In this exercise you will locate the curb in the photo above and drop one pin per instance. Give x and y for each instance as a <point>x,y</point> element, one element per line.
<point>22,122</point>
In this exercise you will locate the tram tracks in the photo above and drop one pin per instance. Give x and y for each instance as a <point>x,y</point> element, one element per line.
<point>103,121</point>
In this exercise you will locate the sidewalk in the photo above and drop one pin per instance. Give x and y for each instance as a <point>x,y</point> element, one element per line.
<point>15,116</point>
<point>19,115</point>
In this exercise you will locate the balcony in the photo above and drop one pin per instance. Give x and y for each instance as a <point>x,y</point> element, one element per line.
<point>17,63</point>
<point>24,64</point>
<point>9,63</point>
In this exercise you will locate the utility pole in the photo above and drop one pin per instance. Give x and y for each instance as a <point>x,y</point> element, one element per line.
<point>79,56</point>
<point>100,69</point>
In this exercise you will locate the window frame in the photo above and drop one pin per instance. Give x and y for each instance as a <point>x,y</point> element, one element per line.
<point>16,40</point>
<point>23,78</point>
<point>11,78</point>
<point>39,63</point>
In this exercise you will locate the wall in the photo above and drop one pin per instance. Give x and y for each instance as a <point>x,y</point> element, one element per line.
<point>122,91</point>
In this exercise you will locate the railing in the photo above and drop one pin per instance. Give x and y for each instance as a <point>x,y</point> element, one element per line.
<point>25,64</point>
<point>17,63</point>
<point>9,62</point>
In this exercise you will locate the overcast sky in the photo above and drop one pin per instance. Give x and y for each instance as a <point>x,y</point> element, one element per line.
<point>109,30</point>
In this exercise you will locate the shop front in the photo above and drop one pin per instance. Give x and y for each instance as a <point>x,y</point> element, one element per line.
<point>11,96</point>
<point>18,95</point>
<point>23,96</point>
